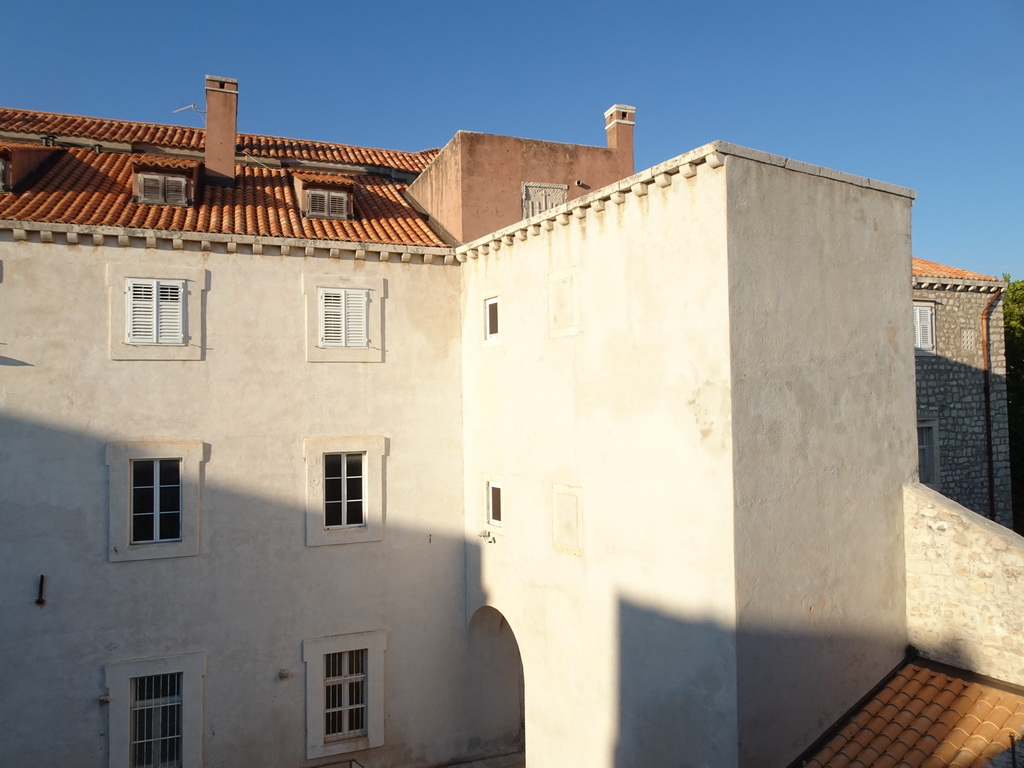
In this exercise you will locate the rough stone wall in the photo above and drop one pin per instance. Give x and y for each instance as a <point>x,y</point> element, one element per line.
<point>965,586</point>
<point>950,389</point>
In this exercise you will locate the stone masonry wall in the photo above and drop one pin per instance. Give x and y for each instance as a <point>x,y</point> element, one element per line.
<point>965,586</point>
<point>950,389</point>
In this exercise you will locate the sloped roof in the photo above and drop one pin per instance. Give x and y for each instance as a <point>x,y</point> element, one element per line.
<point>927,717</point>
<point>39,124</point>
<point>86,187</point>
<point>922,268</point>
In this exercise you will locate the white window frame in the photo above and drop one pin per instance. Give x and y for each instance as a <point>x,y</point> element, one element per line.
<point>343,315</point>
<point>194,283</point>
<point>924,328</point>
<point>344,496</point>
<point>492,333</point>
<point>373,448</point>
<point>492,486</point>
<point>173,189</point>
<point>155,507</point>
<point>928,459</point>
<point>118,677</point>
<point>329,204</point>
<point>120,456</point>
<point>158,319</point>
<point>318,744</point>
<point>371,349</point>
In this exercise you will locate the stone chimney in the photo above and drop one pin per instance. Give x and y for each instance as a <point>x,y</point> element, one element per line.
<point>619,122</point>
<point>221,130</point>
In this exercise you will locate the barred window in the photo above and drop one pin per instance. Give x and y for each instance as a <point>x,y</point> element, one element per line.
<point>156,732</point>
<point>345,694</point>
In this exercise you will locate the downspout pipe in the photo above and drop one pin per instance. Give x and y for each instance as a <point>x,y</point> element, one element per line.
<point>986,368</point>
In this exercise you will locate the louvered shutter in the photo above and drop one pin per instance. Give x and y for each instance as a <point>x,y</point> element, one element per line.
<point>169,313</point>
<point>338,205</point>
<point>141,312</point>
<point>174,190</point>
<point>316,203</point>
<point>355,318</point>
<point>150,189</point>
<point>332,317</point>
<point>924,332</point>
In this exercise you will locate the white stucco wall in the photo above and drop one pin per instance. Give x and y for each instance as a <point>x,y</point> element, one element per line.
<point>255,591</point>
<point>626,638</point>
<point>823,439</point>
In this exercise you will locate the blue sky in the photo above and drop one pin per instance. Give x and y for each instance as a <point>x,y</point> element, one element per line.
<point>925,94</point>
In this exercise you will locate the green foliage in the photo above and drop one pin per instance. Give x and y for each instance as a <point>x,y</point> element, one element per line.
<point>1013,320</point>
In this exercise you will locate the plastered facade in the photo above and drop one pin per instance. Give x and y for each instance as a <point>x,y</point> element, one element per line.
<point>965,585</point>
<point>951,396</point>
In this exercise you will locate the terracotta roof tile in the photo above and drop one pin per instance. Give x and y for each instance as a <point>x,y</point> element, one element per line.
<point>182,137</point>
<point>83,187</point>
<point>922,268</point>
<point>943,721</point>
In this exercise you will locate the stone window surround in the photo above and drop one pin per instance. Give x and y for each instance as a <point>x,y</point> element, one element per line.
<point>374,353</point>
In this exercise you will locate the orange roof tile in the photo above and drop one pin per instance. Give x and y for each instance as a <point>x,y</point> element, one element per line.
<point>37,124</point>
<point>922,268</point>
<point>972,723</point>
<point>85,187</point>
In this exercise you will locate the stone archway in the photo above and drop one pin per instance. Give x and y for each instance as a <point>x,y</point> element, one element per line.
<point>496,695</point>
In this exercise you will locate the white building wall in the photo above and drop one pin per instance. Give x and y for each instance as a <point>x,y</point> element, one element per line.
<point>625,623</point>
<point>255,591</point>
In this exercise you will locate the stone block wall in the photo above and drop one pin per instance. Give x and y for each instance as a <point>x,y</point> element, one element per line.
<point>950,390</point>
<point>965,586</point>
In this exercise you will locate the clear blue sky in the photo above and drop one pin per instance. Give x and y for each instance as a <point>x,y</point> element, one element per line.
<point>927,94</point>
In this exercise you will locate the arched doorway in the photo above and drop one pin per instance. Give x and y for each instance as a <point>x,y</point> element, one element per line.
<point>496,695</point>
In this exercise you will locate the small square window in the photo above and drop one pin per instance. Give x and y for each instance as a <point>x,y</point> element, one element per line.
<point>324,204</point>
<point>343,318</point>
<point>491,318</point>
<point>344,693</point>
<point>156,311</point>
<point>493,503</point>
<point>924,327</point>
<point>162,189</point>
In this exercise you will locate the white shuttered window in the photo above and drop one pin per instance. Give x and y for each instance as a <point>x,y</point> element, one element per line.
<point>155,312</point>
<point>326,205</point>
<point>924,327</point>
<point>343,317</point>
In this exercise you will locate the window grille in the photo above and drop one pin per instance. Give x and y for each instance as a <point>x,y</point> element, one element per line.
<point>155,311</point>
<point>344,694</point>
<point>156,735</point>
<point>344,490</point>
<point>343,317</point>
<point>156,500</point>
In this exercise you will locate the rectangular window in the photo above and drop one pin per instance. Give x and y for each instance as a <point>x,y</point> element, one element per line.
<point>928,453</point>
<point>494,503</point>
<point>155,721</point>
<point>156,500</point>
<point>344,694</point>
<point>343,317</point>
<point>344,490</point>
<point>155,312</point>
<point>924,327</point>
<point>491,318</point>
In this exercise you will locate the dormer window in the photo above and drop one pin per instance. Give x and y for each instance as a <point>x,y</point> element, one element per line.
<point>4,186</point>
<point>163,189</point>
<point>327,204</point>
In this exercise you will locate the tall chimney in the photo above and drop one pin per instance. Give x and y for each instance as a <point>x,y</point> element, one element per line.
<point>619,122</point>
<point>221,130</point>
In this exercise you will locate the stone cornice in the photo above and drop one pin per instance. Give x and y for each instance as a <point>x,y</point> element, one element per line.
<point>957,285</point>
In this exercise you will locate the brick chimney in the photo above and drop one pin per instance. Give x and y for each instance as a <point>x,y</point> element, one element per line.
<point>221,130</point>
<point>619,122</point>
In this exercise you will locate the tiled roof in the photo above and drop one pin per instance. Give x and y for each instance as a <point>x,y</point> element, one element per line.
<point>85,187</point>
<point>925,718</point>
<point>922,268</point>
<point>38,124</point>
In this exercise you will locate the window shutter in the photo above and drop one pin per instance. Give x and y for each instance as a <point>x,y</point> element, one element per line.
<point>338,205</point>
<point>355,318</point>
<point>924,335</point>
<point>174,190</point>
<point>3,175</point>
<point>141,311</point>
<point>150,189</point>
<point>332,317</point>
<point>316,203</point>
<point>169,314</point>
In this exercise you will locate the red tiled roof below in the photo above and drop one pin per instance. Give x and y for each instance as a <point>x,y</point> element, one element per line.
<point>922,268</point>
<point>183,137</point>
<point>83,187</point>
<point>926,719</point>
